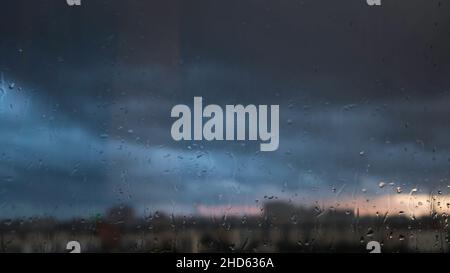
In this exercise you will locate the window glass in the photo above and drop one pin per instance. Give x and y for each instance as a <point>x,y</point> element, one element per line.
<point>231,126</point>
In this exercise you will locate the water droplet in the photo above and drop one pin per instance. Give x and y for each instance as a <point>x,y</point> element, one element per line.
<point>370,232</point>
<point>381,184</point>
<point>294,219</point>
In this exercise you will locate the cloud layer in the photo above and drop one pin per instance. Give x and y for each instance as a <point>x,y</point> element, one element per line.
<point>85,109</point>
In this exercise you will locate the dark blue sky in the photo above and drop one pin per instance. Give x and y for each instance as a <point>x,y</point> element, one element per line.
<point>87,92</point>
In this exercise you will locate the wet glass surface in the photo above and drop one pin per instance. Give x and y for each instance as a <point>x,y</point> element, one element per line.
<point>87,154</point>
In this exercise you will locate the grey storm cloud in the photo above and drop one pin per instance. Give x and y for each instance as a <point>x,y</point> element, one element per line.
<point>54,158</point>
<point>363,96</point>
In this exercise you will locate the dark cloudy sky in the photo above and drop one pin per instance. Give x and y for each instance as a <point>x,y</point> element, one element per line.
<point>87,91</point>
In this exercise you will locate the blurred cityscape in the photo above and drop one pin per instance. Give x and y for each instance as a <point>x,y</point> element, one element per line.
<point>281,227</point>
